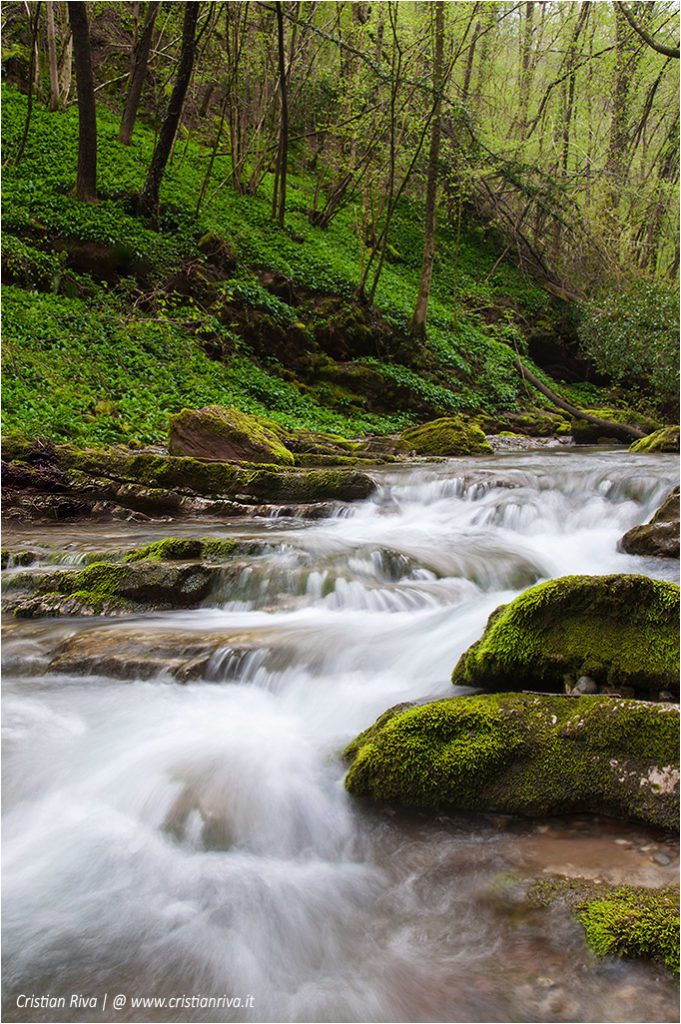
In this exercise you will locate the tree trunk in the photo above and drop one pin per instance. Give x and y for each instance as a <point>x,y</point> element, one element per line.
<point>152,186</point>
<point>86,182</point>
<point>31,75</point>
<point>417,325</point>
<point>620,430</point>
<point>65,70</point>
<point>279,198</point>
<point>137,75</point>
<point>52,58</point>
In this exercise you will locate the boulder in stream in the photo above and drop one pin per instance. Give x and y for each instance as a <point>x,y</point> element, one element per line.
<point>660,536</point>
<point>622,631</point>
<point>226,435</point>
<point>664,440</point>
<point>108,589</point>
<point>619,920</point>
<point>525,754</point>
<point>450,435</point>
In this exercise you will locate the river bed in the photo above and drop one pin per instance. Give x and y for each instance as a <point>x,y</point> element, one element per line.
<point>168,841</point>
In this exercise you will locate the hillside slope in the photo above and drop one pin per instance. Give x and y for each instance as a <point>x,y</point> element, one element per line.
<point>109,326</point>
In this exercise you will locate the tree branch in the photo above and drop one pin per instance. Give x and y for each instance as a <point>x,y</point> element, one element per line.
<point>667,51</point>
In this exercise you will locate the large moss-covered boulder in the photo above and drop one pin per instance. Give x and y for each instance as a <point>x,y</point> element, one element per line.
<point>616,631</point>
<point>659,537</point>
<point>225,435</point>
<point>450,435</point>
<point>665,440</point>
<point>524,754</point>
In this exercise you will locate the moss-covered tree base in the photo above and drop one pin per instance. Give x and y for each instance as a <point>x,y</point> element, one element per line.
<point>525,754</point>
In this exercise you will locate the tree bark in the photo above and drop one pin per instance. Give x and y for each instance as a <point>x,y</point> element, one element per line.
<point>52,58</point>
<point>417,324</point>
<point>150,193</point>
<point>31,75</point>
<point>137,75</point>
<point>86,182</point>
<point>619,430</point>
<point>279,198</point>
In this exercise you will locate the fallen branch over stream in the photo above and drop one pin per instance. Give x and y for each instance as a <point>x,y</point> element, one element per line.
<point>619,430</point>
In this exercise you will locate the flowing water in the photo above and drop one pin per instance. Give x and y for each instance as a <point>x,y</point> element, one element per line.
<point>166,840</point>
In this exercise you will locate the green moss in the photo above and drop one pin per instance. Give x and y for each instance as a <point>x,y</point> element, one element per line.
<point>218,479</point>
<point>625,920</point>
<point>620,630</point>
<point>450,435</point>
<point>170,549</point>
<point>525,754</point>
<point>665,440</point>
<point>217,432</point>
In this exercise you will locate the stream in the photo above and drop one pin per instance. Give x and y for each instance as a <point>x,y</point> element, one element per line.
<point>195,841</point>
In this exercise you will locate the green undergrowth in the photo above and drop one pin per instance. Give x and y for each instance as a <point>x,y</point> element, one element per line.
<point>107,354</point>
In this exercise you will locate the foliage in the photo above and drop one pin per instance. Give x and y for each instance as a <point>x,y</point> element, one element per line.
<point>633,334</point>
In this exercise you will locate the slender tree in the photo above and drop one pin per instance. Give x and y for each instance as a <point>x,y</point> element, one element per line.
<point>418,320</point>
<point>86,182</point>
<point>152,185</point>
<point>279,195</point>
<point>53,103</point>
<point>31,75</point>
<point>139,69</point>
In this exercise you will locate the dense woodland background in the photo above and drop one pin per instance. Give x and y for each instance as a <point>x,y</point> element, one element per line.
<point>344,215</point>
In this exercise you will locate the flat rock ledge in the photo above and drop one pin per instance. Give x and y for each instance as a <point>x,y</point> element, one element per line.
<point>528,754</point>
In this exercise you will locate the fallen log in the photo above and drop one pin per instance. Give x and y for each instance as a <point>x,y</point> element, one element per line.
<point>622,431</point>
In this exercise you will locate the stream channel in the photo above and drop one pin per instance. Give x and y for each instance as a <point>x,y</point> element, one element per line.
<point>165,840</point>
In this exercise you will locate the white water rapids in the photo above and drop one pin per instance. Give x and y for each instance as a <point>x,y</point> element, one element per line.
<point>166,841</point>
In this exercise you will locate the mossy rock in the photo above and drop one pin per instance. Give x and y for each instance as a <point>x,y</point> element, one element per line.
<point>621,921</point>
<point>665,440</point>
<point>525,754</point>
<point>584,432</point>
<point>619,630</point>
<point>450,435</point>
<point>225,435</point>
<point>104,588</point>
<point>175,476</point>
<point>659,537</point>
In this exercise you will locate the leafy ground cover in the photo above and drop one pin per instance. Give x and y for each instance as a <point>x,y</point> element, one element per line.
<point>110,326</point>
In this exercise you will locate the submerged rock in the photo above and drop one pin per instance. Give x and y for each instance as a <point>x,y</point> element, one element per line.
<point>623,920</point>
<point>104,588</point>
<point>665,440</point>
<point>619,630</point>
<point>450,435</point>
<point>659,537</point>
<point>225,435</point>
<point>525,754</point>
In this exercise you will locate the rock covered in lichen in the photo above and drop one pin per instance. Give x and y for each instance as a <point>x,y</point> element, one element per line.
<point>664,440</point>
<point>660,536</point>
<point>619,630</point>
<point>450,435</point>
<point>226,435</point>
<point>526,754</point>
